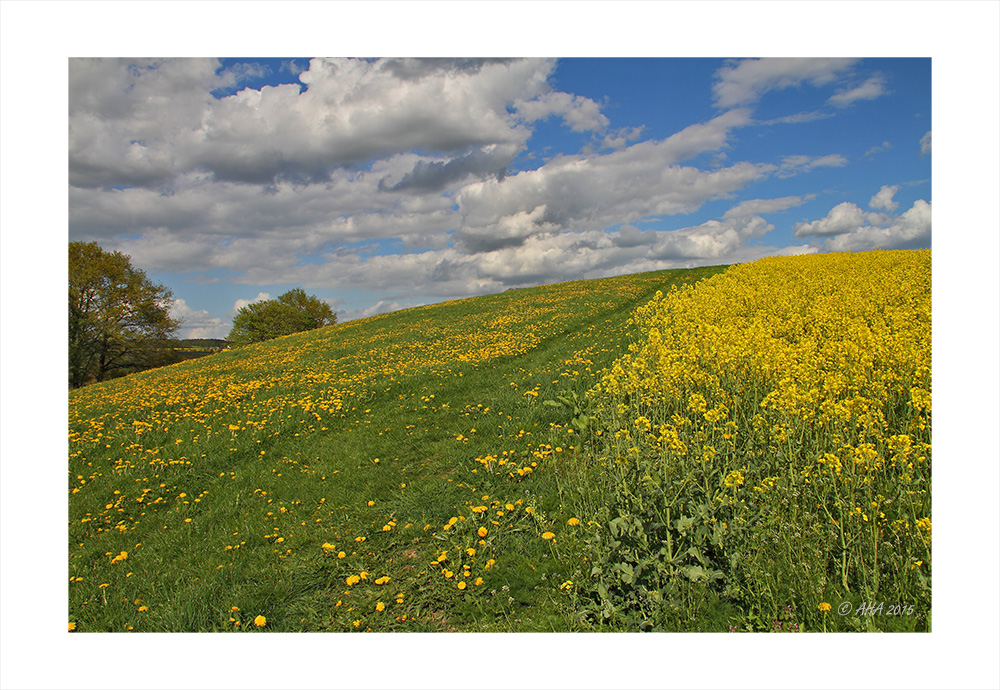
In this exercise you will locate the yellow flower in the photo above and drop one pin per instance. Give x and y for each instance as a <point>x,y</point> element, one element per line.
<point>548,535</point>
<point>72,626</point>
<point>734,479</point>
<point>471,551</point>
<point>260,621</point>
<point>143,608</point>
<point>380,607</point>
<point>824,607</point>
<point>573,522</point>
<point>461,585</point>
<point>482,532</point>
<point>341,555</point>
<point>479,581</point>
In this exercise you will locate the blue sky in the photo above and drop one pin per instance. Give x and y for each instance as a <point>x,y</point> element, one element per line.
<point>378,184</point>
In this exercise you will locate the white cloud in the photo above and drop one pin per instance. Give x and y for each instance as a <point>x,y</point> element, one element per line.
<point>847,228</point>
<point>925,143</point>
<point>593,192</point>
<point>380,307</point>
<point>745,81</point>
<point>883,199</point>
<point>240,303</point>
<point>581,114</point>
<point>794,165</point>
<point>842,218</point>
<point>871,89</point>
<point>909,231</point>
<point>753,207</point>
<point>144,123</point>
<point>884,146</point>
<point>198,323</point>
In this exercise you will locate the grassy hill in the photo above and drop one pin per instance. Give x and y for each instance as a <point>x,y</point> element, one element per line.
<point>259,480</point>
<point>707,449</point>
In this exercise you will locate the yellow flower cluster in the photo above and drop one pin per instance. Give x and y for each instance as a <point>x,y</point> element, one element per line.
<point>792,376</point>
<point>835,338</point>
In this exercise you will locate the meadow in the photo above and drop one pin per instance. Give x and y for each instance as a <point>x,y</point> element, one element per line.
<point>722,448</point>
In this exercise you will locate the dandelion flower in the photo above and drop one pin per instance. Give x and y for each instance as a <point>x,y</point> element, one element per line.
<point>72,626</point>
<point>824,607</point>
<point>260,621</point>
<point>548,535</point>
<point>573,522</point>
<point>482,532</point>
<point>380,607</point>
<point>143,608</point>
<point>461,585</point>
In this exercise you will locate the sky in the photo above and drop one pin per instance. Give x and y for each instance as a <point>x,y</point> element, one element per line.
<point>380,184</point>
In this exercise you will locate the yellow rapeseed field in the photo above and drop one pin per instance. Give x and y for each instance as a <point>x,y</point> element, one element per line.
<point>795,392</point>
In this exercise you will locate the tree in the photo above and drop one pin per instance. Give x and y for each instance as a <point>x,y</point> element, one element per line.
<point>116,315</point>
<point>293,312</point>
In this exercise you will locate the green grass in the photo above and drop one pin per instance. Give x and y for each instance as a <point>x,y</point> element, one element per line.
<point>422,395</point>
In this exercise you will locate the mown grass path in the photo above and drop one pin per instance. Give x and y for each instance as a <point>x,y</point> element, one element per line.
<point>392,473</point>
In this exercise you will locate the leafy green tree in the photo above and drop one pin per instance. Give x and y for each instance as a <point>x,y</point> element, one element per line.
<point>292,312</point>
<point>116,315</point>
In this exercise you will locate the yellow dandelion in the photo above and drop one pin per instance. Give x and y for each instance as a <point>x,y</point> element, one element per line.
<point>260,621</point>
<point>573,522</point>
<point>548,535</point>
<point>482,532</point>
<point>461,585</point>
<point>380,607</point>
<point>824,607</point>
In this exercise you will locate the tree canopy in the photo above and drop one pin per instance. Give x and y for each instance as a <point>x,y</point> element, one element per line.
<point>292,312</point>
<point>116,315</point>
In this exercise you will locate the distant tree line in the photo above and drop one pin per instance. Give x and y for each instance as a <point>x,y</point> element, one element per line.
<point>119,320</point>
<point>292,312</point>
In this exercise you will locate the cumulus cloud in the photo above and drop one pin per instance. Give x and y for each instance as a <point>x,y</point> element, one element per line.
<point>580,114</point>
<point>198,323</point>
<point>909,231</point>
<point>140,123</point>
<point>848,228</point>
<point>883,200</point>
<point>575,193</point>
<point>240,303</point>
<point>742,82</point>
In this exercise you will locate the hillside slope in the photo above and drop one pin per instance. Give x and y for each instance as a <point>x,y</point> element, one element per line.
<point>390,473</point>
